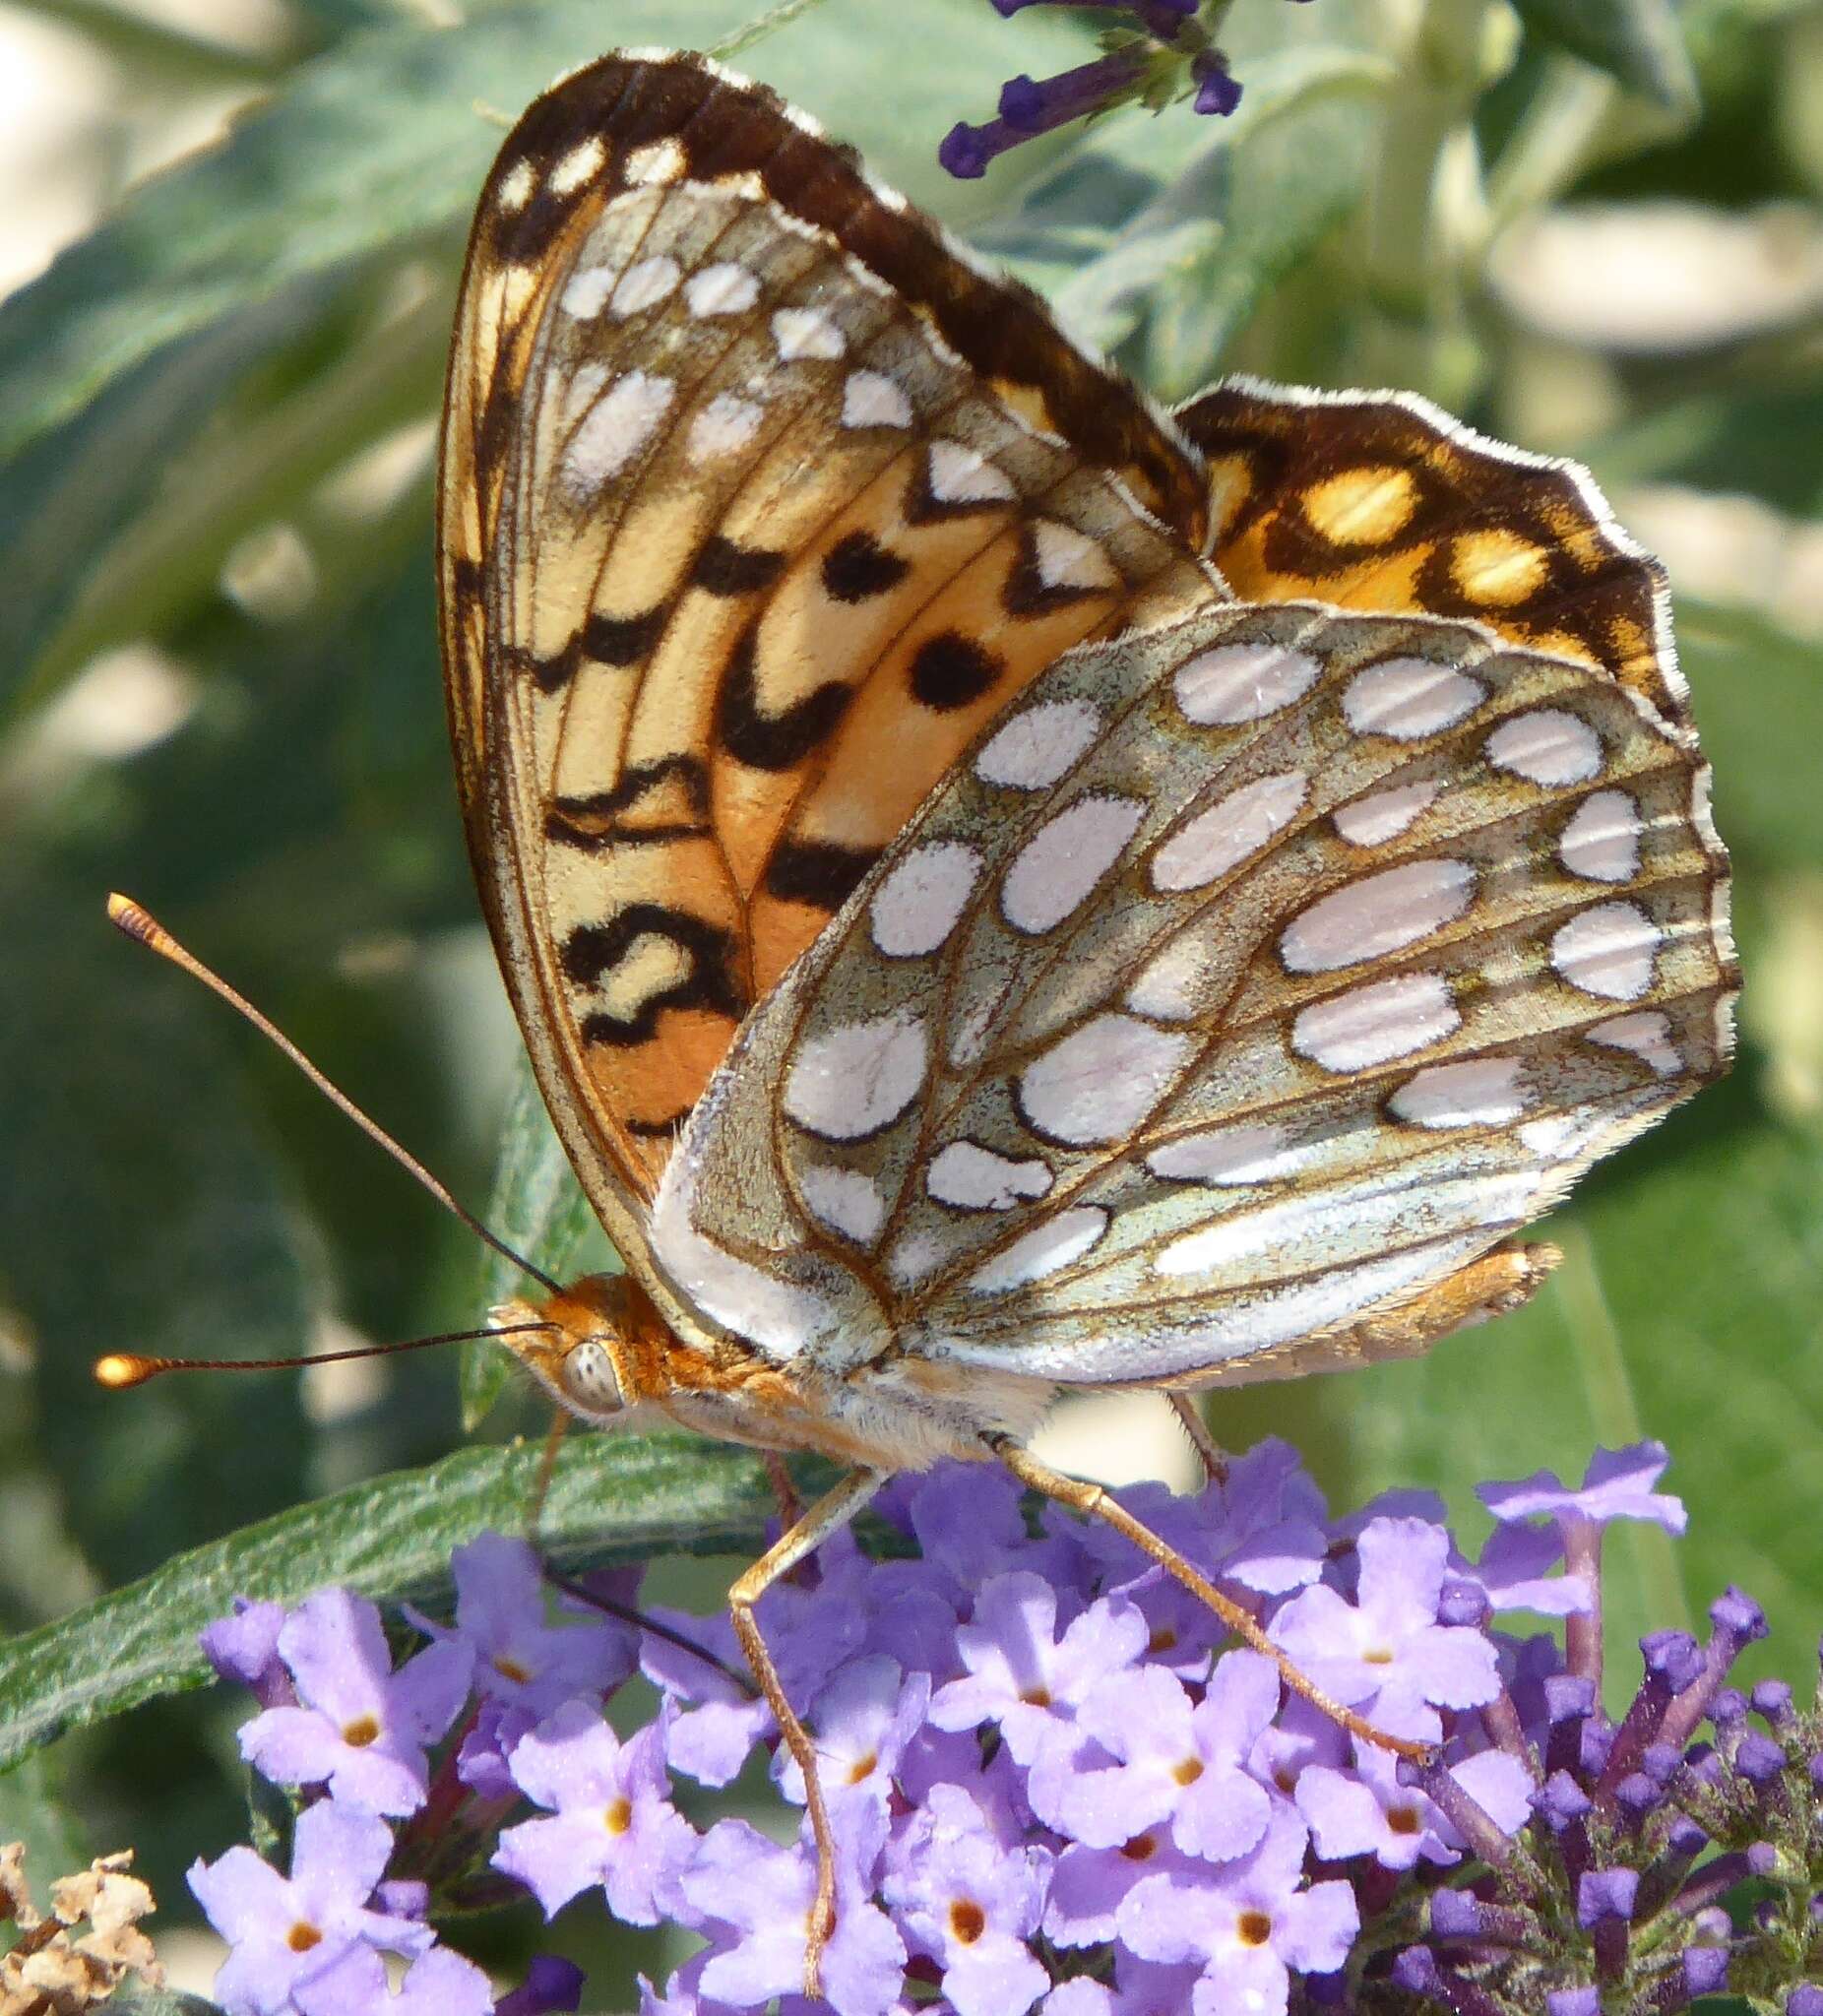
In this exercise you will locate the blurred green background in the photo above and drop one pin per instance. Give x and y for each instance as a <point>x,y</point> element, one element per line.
<point>1594,226</point>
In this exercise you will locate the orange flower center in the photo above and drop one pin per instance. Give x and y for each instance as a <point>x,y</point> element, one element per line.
<point>1254,1927</point>
<point>302,1937</point>
<point>1037,1697</point>
<point>1401,1819</point>
<point>863,1767</point>
<point>509,1669</point>
<point>968,1921</point>
<point>360,1732</point>
<point>618,1818</point>
<point>1141,1849</point>
<point>1188,1770</point>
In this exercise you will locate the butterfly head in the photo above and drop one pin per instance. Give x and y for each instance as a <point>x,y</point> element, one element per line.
<point>588,1343</point>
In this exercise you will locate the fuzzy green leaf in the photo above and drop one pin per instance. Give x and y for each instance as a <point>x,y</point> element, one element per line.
<point>611,1500</point>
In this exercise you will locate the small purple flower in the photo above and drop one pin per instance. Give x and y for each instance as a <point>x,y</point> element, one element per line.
<point>1251,1923</point>
<point>1175,1761</point>
<point>1617,1484</point>
<point>244,1647</point>
<point>283,1930</point>
<point>1217,90</point>
<point>1513,1573</point>
<point>1088,1885</point>
<point>440,1984</point>
<point>753,1898</point>
<point>970,1905</point>
<point>361,1728</point>
<point>612,1822</point>
<point>1370,1811</point>
<point>1021,1675</point>
<point>1028,108</point>
<point>863,1720</point>
<point>520,1655</point>
<point>812,1629</point>
<point>1388,1642</point>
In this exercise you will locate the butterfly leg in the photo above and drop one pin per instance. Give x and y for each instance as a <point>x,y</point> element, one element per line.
<point>1093,1500</point>
<point>547,1469</point>
<point>791,1511</point>
<point>1189,1414</point>
<point>828,1515</point>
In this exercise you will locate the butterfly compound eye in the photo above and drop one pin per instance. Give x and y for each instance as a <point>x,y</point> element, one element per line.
<point>589,1378</point>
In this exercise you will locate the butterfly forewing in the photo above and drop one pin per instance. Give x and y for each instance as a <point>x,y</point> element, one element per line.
<point>1253,975</point>
<point>757,503</point>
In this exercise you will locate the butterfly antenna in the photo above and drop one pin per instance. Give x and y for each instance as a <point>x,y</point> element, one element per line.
<point>139,922</point>
<point>119,1369</point>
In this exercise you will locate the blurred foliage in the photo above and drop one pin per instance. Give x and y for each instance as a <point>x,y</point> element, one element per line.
<point>220,691</point>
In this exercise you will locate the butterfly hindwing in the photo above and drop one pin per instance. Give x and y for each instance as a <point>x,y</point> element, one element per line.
<point>757,502</point>
<point>1252,975</point>
<point>1381,501</point>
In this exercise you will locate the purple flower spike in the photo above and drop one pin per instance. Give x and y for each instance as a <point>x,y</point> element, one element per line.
<point>441,1983</point>
<point>362,1729</point>
<point>970,1905</point>
<point>286,1930</point>
<point>753,1898</point>
<point>554,1986</point>
<point>613,1823</point>
<point>1388,1640</point>
<point>1804,2001</point>
<point>244,1647</point>
<point>1573,2002</point>
<point>1024,1678</point>
<point>1617,1484</point>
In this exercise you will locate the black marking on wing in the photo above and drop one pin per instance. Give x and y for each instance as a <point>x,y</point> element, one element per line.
<point>821,872</point>
<point>726,567</point>
<point>859,567</point>
<point>772,741</point>
<point>951,671</point>
<point>593,951</point>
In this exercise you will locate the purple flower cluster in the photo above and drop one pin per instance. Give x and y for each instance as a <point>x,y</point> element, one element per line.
<point>1153,51</point>
<point>1050,1787</point>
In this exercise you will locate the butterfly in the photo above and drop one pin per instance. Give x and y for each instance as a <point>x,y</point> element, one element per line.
<point>1007,889</point>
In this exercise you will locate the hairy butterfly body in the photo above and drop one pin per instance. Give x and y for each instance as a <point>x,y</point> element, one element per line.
<point>1006,889</point>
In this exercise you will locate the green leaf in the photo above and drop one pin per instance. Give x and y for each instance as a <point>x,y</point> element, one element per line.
<point>1140,217</point>
<point>1293,171</point>
<point>1636,41</point>
<point>611,1499</point>
<point>33,1810</point>
<point>538,1208</point>
<point>380,143</point>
